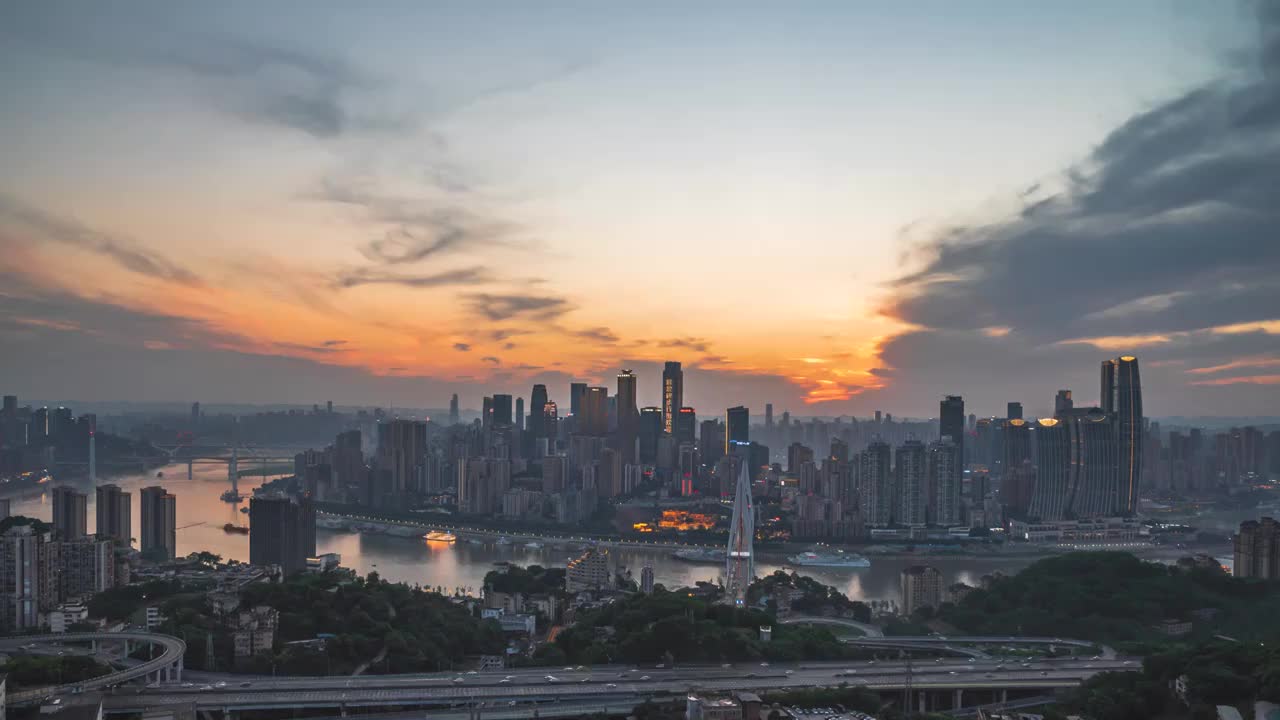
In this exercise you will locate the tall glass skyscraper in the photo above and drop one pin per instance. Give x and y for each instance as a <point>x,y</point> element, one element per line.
<point>672,395</point>
<point>1129,424</point>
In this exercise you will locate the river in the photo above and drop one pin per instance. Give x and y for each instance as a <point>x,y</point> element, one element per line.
<point>201,515</point>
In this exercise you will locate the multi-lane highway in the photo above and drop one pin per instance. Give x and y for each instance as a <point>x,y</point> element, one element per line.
<point>603,683</point>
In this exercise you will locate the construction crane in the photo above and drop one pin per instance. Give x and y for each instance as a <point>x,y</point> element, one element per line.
<point>184,527</point>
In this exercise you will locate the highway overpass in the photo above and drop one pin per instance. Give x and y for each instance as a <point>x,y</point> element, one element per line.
<point>165,666</point>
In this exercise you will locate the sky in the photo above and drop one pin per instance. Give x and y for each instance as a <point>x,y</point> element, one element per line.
<point>833,207</point>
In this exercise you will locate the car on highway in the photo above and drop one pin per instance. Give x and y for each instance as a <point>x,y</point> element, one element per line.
<point>788,672</point>
<point>504,681</point>
<point>764,664</point>
<point>644,677</point>
<point>246,684</point>
<point>458,679</point>
<point>725,666</point>
<point>188,685</point>
<point>611,685</point>
<point>204,688</point>
<point>551,678</point>
<point>220,684</point>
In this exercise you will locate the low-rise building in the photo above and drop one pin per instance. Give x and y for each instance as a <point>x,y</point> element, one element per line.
<point>590,571</point>
<point>255,630</point>
<point>67,614</point>
<point>526,624</point>
<point>324,563</point>
<point>704,708</point>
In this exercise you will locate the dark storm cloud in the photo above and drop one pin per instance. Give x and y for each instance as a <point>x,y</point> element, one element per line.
<point>500,308</point>
<point>365,276</point>
<point>20,223</point>
<point>1182,197</point>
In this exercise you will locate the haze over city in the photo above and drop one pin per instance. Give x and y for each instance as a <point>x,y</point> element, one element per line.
<point>835,208</point>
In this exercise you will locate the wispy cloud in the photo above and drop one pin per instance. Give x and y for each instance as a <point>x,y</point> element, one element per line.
<point>365,276</point>
<point>37,225</point>
<point>499,308</point>
<point>462,347</point>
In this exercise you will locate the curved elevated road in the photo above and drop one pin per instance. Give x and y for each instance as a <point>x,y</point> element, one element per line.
<point>171,657</point>
<point>867,629</point>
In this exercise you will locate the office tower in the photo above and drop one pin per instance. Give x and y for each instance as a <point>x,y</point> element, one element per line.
<point>70,513</point>
<point>553,474</point>
<point>875,485</point>
<point>1257,550</point>
<point>737,428</point>
<point>550,425</point>
<point>520,413</point>
<point>672,395</point>
<point>686,425</point>
<point>646,580</point>
<point>348,460</point>
<point>768,416</point>
<point>740,558</point>
<point>807,477</point>
<point>687,467</point>
<point>913,496</point>
<point>402,448</point>
<point>1018,479</point>
<point>1130,430</point>
<point>577,391</point>
<point>878,417</point>
<point>628,416</point>
<point>595,412</point>
<point>710,441</point>
<point>93,449</point>
<point>486,412</point>
<point>11,405</point>
<point>4,508</point>
<point>1013,411</point>
<point>455,415</point>
<point>1076,467</point>
<point>282,530</point>
<point>537,408</point>
<point>921,588</point>
<point>195,413</point>
<point>1107,389</point>
<point>502,410</point>
<point>158,513</point>
<point>114,508</point>
<point>951,420</point>
<point>29,570</point>
<point>87,565</point>
<point>1062,403</point>
<point>943,483</point>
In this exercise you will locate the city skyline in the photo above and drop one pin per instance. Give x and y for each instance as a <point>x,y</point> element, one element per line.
<point>375,214</point>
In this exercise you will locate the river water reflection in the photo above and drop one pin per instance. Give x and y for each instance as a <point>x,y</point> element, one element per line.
<point>201,516</point>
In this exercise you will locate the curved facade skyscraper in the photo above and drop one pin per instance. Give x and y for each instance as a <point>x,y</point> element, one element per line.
<point>1122,394</point>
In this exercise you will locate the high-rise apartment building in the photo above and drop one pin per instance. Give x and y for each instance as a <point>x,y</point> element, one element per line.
<point>455,414</point>
<point>646,579</point>
<point>649,431</point>
<point>520,413</point>
<point>590,571</point>
<point>29,577</point>
<point>158,512</point>
<point>482,483</point>
<point>710,442</point>
<point>913,495</point>
<point>921,587</point>
<point>768,416</point>
<point>402,449</point>
<point>1076,474</point>
<point>672,395</point>
<point>944,483</point>
<point>1257,550</point>
<point>113,510</point>
<point>70,513</point>
<point>282,530</point>
<point>1013,411</point>
<point>348,461</point>
<point>875,485</point>
<point>87,566</point>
